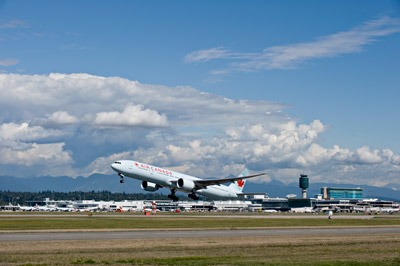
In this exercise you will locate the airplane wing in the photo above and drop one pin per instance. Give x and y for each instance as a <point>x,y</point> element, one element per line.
<point>210,182</point>
<point>252,194</point>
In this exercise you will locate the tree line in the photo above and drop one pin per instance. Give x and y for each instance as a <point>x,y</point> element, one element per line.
<point>22,198</point>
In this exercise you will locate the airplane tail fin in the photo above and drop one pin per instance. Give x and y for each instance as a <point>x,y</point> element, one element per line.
<point>239,184</point>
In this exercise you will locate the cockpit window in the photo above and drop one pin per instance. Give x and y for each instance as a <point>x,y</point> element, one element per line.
<point>117,162</point>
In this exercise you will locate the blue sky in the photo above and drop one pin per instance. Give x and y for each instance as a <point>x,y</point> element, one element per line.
<point>331,68</point>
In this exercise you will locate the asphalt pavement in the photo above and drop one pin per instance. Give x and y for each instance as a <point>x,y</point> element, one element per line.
<point>44,236</point>
<point>265,216</point>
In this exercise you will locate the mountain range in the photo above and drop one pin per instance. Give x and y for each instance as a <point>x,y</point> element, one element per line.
<point>99,182</point>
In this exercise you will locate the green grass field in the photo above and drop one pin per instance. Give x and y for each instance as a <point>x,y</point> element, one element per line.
<point>134,222</point>
<point>285,250</point>
<point>321,250</point>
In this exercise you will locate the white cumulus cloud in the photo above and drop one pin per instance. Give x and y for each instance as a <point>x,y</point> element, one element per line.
<point>18,146</point>
<point>131,116</point>
<point>24,132</point>
<point>62,118</point>
<point>44,94</point>
<point>49,155</point>
<point>181,128</point>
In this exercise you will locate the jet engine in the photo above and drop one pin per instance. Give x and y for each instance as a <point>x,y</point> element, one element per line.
<point>186,184</point>
<point>148,186</point>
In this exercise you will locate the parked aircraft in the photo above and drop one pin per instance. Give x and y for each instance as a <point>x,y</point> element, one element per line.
<point>154,178</point>
<point>390,210</point>
<point>66,209</point>
<point>302,210</point>
<point>46,208</point>
<point>26,208</point>
<point>270,211</point>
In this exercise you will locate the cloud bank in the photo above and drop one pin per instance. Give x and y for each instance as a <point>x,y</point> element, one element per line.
<point>77,124</point>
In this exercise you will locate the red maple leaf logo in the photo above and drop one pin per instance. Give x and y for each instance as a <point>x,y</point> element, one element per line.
<point>136,164</point>
<point>240,183</point>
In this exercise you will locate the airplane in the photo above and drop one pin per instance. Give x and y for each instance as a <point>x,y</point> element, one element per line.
<point>302,210</point>
<point>66,209</point>
<point>270,211</point>
<point>154,178</point>
<point>46,208</point>
<point>390,210</point>
<point>26,208</point>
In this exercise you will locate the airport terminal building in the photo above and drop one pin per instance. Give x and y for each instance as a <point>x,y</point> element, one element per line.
<point>256,203</point>
<point>330,193</point>
<point>331,199</point>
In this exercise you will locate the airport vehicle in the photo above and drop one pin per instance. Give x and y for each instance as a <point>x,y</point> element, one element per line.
<point>154,178</point>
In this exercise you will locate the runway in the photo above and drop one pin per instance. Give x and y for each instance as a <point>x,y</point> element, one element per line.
<point>163,234</point>
<point>268,216</point>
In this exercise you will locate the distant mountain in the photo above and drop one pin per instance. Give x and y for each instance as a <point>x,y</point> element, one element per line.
<point>98,182</point>
<point>393,186</point>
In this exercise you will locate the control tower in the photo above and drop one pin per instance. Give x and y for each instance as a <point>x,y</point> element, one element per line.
<point>303,184</point>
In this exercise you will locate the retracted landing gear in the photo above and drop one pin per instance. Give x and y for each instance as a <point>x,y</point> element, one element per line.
<point>173,196</point>
<point>122,178</point>
<point>193,196</point>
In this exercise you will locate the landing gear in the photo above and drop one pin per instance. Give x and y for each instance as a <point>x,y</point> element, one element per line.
<point>173,196</point>
<point>122,178</point>
<point>193,196</point>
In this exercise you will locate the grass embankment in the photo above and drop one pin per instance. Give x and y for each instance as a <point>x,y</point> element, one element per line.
<point>284,250</point>
<point>99,222</point>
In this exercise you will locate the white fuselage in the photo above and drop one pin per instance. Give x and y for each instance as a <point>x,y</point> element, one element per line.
<point>168,179</point>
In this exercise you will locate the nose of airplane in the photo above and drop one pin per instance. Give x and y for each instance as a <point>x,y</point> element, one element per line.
<point>115,166</point>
